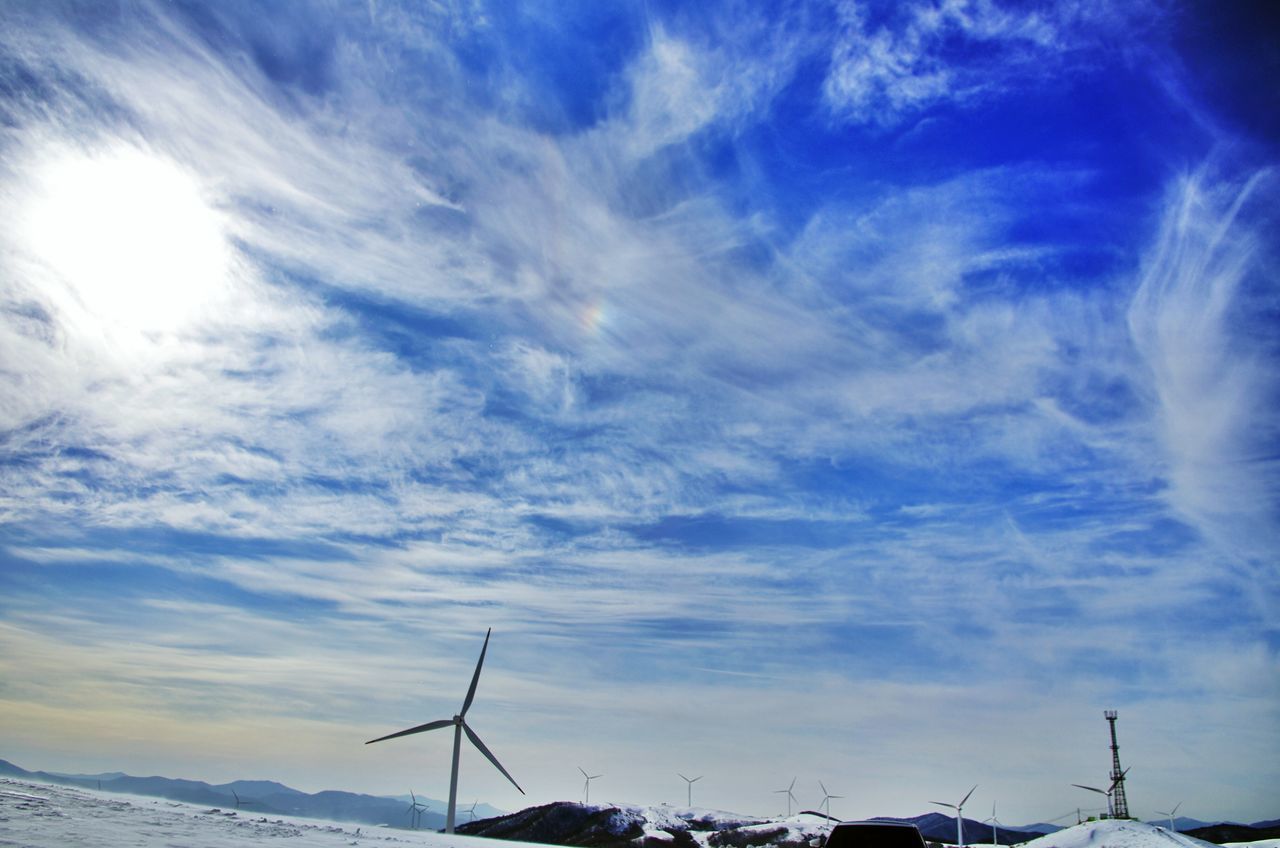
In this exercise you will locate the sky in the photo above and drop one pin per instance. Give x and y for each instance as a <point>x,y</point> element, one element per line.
<point>865,393</point>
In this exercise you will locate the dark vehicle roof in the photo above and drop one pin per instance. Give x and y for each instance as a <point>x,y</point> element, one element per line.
<point>875,834</point>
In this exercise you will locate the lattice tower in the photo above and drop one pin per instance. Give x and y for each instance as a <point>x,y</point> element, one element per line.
<point>1119,805</point>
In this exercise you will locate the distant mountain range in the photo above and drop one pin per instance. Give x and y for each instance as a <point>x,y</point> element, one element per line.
<point>263,797</point>
<point>572,824</point>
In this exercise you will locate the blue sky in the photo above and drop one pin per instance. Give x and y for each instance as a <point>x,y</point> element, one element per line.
<point>868,393</point>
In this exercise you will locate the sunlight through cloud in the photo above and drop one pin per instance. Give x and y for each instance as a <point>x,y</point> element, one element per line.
<point>130,235</point>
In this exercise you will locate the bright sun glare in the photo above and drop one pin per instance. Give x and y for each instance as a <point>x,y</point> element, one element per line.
<point>130,235</point>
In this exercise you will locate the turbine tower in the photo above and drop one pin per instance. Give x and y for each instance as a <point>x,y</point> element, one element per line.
<point>586,787</point>
<point>459,727</point>
<point>959,808</point>
<point>690,781</point>
<point>1120,806</point>
<point>790,796</point>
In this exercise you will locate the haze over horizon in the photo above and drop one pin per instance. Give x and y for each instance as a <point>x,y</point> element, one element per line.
<point>872,393</point>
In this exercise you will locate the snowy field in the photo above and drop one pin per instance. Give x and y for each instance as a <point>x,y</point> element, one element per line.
<point>1117,834</point>
<point>42,815</point>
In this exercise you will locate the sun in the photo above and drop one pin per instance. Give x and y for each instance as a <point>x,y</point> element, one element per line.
<point>129,238</point>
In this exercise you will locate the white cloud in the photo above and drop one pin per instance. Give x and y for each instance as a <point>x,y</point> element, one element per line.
<point>884,71</point>
<point>1192,319</point>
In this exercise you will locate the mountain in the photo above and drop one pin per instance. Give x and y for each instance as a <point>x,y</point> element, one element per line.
<point>1183,824</point>
<point>1231,832</point>
<point>263,797</point>
<point>624,826</point>
<point>938,827</point>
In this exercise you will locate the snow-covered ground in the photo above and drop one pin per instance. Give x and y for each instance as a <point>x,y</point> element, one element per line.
<point>42,815</point>
<point>1116,833</point>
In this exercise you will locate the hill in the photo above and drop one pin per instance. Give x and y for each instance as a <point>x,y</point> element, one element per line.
<point>263,797</point>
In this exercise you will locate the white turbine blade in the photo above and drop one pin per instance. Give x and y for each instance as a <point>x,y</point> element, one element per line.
<point>966,797</point>
<point>1090,788</point>
<point>681,776</point>
<point>475,740</point>
<point>584,773</point>
<point>422,728</point>
<point>475,678</point>
<point>824,789</point>
<point>793,783</point>
<point>944,804</point>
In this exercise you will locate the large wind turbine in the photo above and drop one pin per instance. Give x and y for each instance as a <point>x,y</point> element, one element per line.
<point>790,795</point>
<point>586,787</point>
<point>690,781</point>
<point>959,808</point>
<point>459,726</point>
<point>1171,814</point>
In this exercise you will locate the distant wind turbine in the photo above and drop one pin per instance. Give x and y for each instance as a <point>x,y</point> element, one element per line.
<point>959,808</point>
<point>415,810</point>
<point>1171,814</point>
<point>459,727</point>
<point>471,811</point>
<point>240,800</point>
<point>586,787</point>
<point>690,781</point>
<point>790,795</point>
<point>994,822</point>
<point>826,798</point>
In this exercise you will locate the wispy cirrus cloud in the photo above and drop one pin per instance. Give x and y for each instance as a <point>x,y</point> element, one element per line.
<point>890,63</point>
<point>684,376</point>
<point>1197,319</point>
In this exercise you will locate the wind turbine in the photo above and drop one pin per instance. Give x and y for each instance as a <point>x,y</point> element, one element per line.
<point>415,810</point>
<point>1107,793</point>
<point>586,787</point>
<point>826,798</point>
<point>459,726</point>
<point>994,822</point>
<point>1171,814</point>
<point>471,811</point>
<point>240,800</point>
<point>790,795</point>
<point>690,781</point>
<point>959,808</point>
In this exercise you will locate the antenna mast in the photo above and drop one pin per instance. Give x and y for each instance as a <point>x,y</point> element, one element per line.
<point>1120,807</point>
